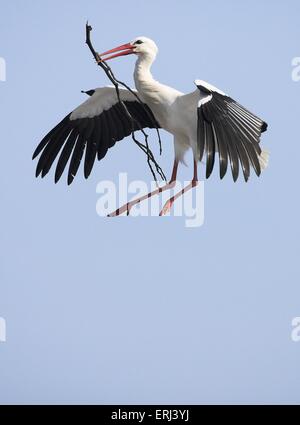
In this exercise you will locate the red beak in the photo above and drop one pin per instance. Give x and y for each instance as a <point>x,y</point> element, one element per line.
<point>124,49</point>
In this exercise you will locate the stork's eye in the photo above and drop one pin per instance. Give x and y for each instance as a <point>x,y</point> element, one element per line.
<point>138,42</point>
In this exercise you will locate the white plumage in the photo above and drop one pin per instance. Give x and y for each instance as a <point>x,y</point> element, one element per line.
<point>102,100</point>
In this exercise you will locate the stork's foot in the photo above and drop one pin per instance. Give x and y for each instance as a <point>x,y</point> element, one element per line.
<point>168,205</point>
<point>127,207</point>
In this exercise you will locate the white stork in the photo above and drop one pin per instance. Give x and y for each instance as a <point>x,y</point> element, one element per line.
<point>206,120</point>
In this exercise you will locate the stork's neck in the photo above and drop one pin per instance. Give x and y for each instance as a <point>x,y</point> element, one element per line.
<point>142,74</point>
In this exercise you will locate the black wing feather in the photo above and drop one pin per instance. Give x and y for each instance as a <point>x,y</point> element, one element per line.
<point>65,155</point>
<point>210,149</point>
<point>76,158</point>
<point>103,146</point>
<point>200,133</point>
<point>211,115</point>
<point>90,149</point>
<point>223,156</point>
<point>226,126</point>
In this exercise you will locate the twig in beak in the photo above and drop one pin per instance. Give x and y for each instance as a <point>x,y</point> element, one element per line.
<point>144,147</point>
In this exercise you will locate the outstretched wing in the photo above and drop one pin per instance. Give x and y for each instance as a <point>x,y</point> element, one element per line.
<point>226,127</point>
<point>92,128</point>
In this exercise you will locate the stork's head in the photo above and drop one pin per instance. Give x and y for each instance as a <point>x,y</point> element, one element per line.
<point>141,46</point>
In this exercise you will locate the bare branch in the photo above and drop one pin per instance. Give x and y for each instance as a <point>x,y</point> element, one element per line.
<point>134,122</point>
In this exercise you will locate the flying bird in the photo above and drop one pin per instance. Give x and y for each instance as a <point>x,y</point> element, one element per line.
<point>206,120</point>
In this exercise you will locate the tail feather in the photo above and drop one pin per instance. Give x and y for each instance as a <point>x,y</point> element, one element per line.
<point>264,159</point>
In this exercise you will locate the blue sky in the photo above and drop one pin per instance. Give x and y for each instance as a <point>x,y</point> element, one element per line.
<point>145,310</point>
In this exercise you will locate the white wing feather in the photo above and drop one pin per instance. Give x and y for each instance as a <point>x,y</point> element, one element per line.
<point>103,99</point>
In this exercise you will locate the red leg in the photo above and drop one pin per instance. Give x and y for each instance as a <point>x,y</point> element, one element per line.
<point>168,205</point>
<point>127,207</point>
